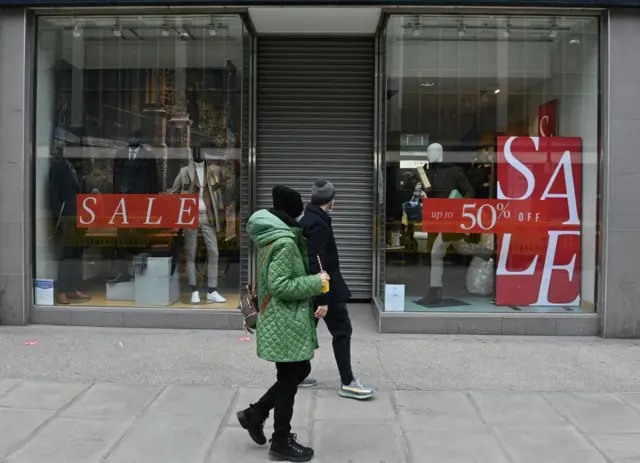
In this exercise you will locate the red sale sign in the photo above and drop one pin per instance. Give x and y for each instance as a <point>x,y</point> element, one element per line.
<point>137,211</point>
<point>548,119</point>
<point>482,215</point>
<point>541,265</point>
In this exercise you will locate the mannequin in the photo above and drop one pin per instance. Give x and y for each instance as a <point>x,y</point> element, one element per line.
<point>444,178</point>
<point>205,180</point>
<point>135,171</point>
<point>64,186</point>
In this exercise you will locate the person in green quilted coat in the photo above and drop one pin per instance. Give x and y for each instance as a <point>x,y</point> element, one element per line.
<point>286,329</point>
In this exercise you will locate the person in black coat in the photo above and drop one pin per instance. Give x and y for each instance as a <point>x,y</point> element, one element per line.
<point>135,171</point>
<point>63,187</point>
<point>331,306</point>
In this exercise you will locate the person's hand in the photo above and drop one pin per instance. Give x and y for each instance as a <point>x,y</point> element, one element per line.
<point>321,311</point>
<point>325,277</point>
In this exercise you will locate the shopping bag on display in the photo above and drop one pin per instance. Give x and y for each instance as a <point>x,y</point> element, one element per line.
<point>480,276</point>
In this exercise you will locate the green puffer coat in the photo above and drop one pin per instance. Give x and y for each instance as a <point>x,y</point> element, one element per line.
<point>286,331</point>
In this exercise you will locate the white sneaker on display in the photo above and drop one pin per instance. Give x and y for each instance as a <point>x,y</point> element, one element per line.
<point>195,297</point>
<point>214,296</point>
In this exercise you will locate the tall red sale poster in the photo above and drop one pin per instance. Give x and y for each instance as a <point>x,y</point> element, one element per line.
<point>548,119</point>
<point>540,266</point>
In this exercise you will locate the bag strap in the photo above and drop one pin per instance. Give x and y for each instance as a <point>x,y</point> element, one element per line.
<point>267,298</point>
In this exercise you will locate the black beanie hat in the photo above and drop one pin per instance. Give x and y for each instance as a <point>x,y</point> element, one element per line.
<point>287,200</point>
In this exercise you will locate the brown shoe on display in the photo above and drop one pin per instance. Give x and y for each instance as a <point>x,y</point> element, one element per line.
<point>78,297</point>
<point>63,299</point>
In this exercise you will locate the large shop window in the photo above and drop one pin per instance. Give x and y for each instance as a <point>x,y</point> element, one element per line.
<point>138,160</point>
<point>491,163</point>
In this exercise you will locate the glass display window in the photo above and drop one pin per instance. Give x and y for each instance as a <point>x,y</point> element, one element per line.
<point>138,160</point>
<point>491,177</point>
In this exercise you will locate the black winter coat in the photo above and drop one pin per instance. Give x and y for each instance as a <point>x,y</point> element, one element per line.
<point>139,176</point>
<point>445,178</point>
<point>316,225</point>
<point>64,186</point>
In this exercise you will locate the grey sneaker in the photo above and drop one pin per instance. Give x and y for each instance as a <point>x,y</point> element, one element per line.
<point>308,382</point>
<point>356,390</point>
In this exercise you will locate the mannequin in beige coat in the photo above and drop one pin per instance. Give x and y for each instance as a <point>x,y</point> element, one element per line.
<point>206,181</point>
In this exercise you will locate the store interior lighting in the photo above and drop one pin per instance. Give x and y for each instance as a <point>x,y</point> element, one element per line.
<point>553,32</point>
<point>461,30</point>
<point>506,33</point>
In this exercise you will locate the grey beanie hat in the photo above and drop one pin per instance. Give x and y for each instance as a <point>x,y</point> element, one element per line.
<point>322,192</point>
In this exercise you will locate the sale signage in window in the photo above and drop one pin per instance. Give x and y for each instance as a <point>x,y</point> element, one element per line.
<point>536,218</point>
<point>137,211</point>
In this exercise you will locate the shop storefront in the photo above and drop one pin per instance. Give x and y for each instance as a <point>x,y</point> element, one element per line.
<point>479,185</point>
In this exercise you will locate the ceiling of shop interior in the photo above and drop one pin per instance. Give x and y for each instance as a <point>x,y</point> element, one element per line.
<point>315,21</point>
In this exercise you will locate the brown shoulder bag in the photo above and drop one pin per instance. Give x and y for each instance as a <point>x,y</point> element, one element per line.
<point>249,301</point>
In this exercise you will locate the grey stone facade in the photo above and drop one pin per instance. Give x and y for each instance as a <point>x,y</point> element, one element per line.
<point>619,238</point>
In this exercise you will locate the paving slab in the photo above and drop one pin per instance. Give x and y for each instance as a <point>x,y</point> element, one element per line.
<point>17,425</point>
<point>331,407</point>
<point>301,413</point>
<point>548,444</point>
<point>454,447</point>
<point>234,445</point>
<point>425,411</point>
<point>42,395</point>
<point>67,440</point>
<point>163,438</point>
<point>366,442</point>
<point>519,408</point>
<point>632,398</point>
<point>7,384</point>
<point>112,402</point>
<point>597,413</point>
<point>619,447</point>
<point>194,400</point>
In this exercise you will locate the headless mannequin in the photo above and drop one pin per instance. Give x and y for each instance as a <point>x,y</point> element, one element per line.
<point>63,187</point>
<point>197,181</point>
<point>444,179</point>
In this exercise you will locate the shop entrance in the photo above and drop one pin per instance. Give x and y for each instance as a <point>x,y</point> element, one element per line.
<point>315,119</point>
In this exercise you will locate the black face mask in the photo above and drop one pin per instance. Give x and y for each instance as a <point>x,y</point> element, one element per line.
<point>134,143</point>
<point>197,155</point>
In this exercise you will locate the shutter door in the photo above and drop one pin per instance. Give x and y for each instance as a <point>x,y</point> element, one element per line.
<point>315,120</point>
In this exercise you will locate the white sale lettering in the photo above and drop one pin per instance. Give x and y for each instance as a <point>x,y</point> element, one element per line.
<point>121,210</point>
<point>85,206</point>
<point>541,266</point>
<point>147,221</point>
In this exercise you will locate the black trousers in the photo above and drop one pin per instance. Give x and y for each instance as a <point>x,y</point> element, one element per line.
<point>70,260</point>
<point>281,396</point>
<point>339,325</point>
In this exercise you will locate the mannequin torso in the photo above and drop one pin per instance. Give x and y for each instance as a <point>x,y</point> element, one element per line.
<point>445,177</point>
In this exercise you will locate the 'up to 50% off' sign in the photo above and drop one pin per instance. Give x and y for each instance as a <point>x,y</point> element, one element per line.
<point>482,215</point>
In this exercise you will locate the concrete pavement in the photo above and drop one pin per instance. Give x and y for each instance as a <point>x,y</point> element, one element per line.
<point>112,395</point>
<point>387,361</point>
<point>43,421</point>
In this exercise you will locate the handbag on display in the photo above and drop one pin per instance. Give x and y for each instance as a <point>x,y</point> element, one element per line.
<point>249,304</point>
<point>413,210</point>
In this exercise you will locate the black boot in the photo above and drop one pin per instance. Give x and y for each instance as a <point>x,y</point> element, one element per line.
<point>252,422</point>
<point>435,296</point>
<point>289,449</point>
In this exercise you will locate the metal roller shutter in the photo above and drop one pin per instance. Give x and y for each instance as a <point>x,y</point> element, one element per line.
<point>315,112</point>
